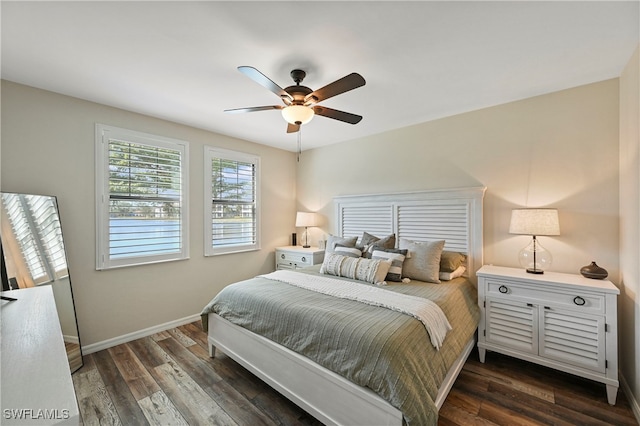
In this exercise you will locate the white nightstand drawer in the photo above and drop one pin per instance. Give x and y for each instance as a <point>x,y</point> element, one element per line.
<point>293,257</point>
<point>577,300</point>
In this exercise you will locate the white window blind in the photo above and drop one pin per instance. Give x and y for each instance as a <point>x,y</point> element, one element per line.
<point>231,201</point>
<point>142,202</point>
<point>35,224</point>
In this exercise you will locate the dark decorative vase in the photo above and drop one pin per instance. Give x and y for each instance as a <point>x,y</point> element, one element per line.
<point>594,271</point>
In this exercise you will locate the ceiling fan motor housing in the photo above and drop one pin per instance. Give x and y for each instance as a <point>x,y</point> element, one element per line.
<point>298,76</point>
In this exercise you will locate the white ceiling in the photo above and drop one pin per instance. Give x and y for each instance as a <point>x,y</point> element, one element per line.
<point>421,60</point>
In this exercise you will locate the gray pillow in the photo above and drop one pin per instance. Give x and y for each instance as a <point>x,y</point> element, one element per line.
<point>423,260</point>
<point>370,243</point>
<point>333,240</point>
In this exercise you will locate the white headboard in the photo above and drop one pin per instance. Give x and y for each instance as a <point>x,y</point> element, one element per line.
<point>453,215</point>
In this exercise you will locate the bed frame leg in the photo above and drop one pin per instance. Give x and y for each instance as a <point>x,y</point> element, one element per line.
<point>212,351</point>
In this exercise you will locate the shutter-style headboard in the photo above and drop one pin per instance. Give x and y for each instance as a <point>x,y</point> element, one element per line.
<point>453,215</point>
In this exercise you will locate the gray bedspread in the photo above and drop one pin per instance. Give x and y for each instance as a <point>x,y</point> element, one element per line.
<point>386,351</point>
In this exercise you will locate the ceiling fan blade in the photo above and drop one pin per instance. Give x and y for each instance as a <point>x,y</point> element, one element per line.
<point>292,128</point>
<point>253,109</point>
<point>347,117</point>
<point>264,81</point>
<point>349,82</point>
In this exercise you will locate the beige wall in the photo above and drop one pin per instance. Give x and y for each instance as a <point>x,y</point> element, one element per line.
<point>48,148</point>
<point>629,301</point>
<point>558,150</point>
<point>561,150</point>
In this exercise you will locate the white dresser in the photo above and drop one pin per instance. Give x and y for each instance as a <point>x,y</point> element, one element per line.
<point>562,321</point>
<point>37,388</point>
<point>294,257</point>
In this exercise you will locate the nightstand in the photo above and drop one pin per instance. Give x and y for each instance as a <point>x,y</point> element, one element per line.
<point>294,257</point>
<point>562,321</point>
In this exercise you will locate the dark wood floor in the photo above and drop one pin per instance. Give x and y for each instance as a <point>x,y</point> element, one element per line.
<point>169,379</point>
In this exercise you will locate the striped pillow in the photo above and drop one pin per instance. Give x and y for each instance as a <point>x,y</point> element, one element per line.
<point>370,243</point>
<point>396,257</point>
<point>361,269</point>
<point>347,251</point>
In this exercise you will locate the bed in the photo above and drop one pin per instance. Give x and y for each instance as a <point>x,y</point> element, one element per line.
<point>348,362</point>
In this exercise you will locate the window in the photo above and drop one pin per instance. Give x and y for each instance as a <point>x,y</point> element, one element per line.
<point>231,201</point>
<point>142,198</point>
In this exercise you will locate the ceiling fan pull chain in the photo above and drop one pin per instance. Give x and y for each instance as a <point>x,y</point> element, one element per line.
<point>299,143</point>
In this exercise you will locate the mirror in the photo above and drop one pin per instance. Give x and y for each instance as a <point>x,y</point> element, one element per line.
<point>33,254</point>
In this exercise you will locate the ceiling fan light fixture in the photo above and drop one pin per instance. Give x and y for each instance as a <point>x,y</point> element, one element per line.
<point>297,114</point>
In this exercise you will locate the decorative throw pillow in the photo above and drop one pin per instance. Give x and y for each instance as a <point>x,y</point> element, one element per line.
<point>451,260</point>
<point>332,241</point>
<point>370,243</point>
<point>368,270</point>
<point>396,257</point>
<point>347,251</point>
<point>448,276</point>
<point>332,263</point>
<point>423,260</point>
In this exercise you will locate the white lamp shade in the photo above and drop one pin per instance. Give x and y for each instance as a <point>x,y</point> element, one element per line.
<point>297,114</point>
<point>534,222</point>
<point>307,219</point>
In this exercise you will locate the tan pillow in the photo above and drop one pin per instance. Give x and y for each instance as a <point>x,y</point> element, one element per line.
<point>451,260</point>
<point>423,260</point>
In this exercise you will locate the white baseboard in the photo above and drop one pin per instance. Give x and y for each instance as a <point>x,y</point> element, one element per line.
<point>106,344</point>
<point>634,403</point>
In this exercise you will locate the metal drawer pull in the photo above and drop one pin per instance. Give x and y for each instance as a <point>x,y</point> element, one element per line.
<point>304,259</point>
<point>282,256</point>
<point>502,289</point>
<point>579,301</point>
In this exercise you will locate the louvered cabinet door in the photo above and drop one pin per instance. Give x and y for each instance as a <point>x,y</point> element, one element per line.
<point>512,324</point>
<point>576,339</point>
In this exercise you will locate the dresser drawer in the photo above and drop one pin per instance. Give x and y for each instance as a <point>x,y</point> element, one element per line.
<point>578,300</point>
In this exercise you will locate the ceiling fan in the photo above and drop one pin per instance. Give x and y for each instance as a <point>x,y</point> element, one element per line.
<point>300,102</point>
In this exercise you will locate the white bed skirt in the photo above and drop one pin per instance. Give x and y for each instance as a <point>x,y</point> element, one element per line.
<point>327,396</point>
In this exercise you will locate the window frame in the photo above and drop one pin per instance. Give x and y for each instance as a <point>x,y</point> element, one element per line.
<point>209,154</point>
<point>105,133</point>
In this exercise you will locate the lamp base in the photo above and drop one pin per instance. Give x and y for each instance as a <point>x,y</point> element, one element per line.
<point>306,246</point>
<point>534,258</point>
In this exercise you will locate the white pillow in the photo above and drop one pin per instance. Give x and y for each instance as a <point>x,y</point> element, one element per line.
<point>448,276</point>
